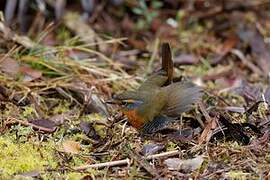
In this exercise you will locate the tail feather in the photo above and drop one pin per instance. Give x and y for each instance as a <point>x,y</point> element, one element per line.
<point>167,62</point>
<point>181,96</point>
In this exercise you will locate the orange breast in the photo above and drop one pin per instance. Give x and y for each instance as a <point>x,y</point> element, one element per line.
<point>134,118</point>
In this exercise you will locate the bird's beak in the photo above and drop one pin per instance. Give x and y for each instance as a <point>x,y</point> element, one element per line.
<point>113,101</point>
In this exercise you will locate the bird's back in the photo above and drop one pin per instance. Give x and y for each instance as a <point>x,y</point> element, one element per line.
<point>180,97</point>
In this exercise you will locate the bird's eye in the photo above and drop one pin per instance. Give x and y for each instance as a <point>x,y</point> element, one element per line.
<point>131,104</point>
<point>127,102</point>
<point>124,103</point>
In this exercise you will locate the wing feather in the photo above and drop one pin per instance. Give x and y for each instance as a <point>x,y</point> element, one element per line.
<point>181,96</point>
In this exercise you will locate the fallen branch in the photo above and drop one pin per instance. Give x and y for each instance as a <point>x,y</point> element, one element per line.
<point>125,161</point>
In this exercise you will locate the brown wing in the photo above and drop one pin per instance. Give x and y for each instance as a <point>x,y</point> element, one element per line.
<point>167,63</point>
<point>181,96</point>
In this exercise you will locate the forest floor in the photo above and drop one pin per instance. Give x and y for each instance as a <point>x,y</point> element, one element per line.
<point>55,81</point>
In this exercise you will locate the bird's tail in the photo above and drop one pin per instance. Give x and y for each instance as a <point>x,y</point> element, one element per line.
<point>167,62</point>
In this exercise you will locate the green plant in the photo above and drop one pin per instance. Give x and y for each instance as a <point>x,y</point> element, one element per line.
<point>147,13</point>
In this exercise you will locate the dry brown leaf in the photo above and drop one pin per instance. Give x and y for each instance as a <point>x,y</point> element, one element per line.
<point>71,147</point>
<point>45,124</point>
<point>9,66</point>
<point>149,149</point>
<point>226,47</point>
<point>30,74</point>
<point>185,165</point>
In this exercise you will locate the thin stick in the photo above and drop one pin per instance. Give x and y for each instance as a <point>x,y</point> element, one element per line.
<point>125,161</point>
<point>101,165</point>
<point>249,64</point>
<point>162,155</point>
<point>204,112</point>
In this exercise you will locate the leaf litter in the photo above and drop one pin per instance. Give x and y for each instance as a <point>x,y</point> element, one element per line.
<point>54,96</point>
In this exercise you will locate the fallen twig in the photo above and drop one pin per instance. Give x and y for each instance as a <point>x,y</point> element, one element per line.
<point>162,155</point>
<point>246,62</point>
<point>125,161</point>
<point>101,165</point>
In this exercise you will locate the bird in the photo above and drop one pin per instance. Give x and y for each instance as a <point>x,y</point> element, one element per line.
<point>158,101</point>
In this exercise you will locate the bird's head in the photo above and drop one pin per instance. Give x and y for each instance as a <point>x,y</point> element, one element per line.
<point>127,100</point>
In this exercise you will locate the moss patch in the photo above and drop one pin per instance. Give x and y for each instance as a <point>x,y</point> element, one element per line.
<point>23,157</point>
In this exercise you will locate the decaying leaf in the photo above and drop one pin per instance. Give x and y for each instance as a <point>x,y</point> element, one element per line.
<point>92,103</point>
<point>45,124</point>
<point>72,147</point>
<point>251,92</point>
<point>13,68</point>
<point>30,74</point>
<point>184,165</point>
<point>77,54</point>
<point>225,49</point>
<point>150,149</point>
<point>9,65</point>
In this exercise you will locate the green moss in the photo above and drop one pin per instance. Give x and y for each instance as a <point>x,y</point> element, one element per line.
<point>63,106</point>
<point>74,176</point>
<point>77,161</point>
<point>133,172</point>
<point>28,111</point>
<point>9,110</point>
<point>238,175</point>
<point>267,157</point>
<point>22,133</point>
<point>97,118</point>
<point>23,157</point>
<point>199,70</point>
<point>63,34</point>
<point>171,146</point>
